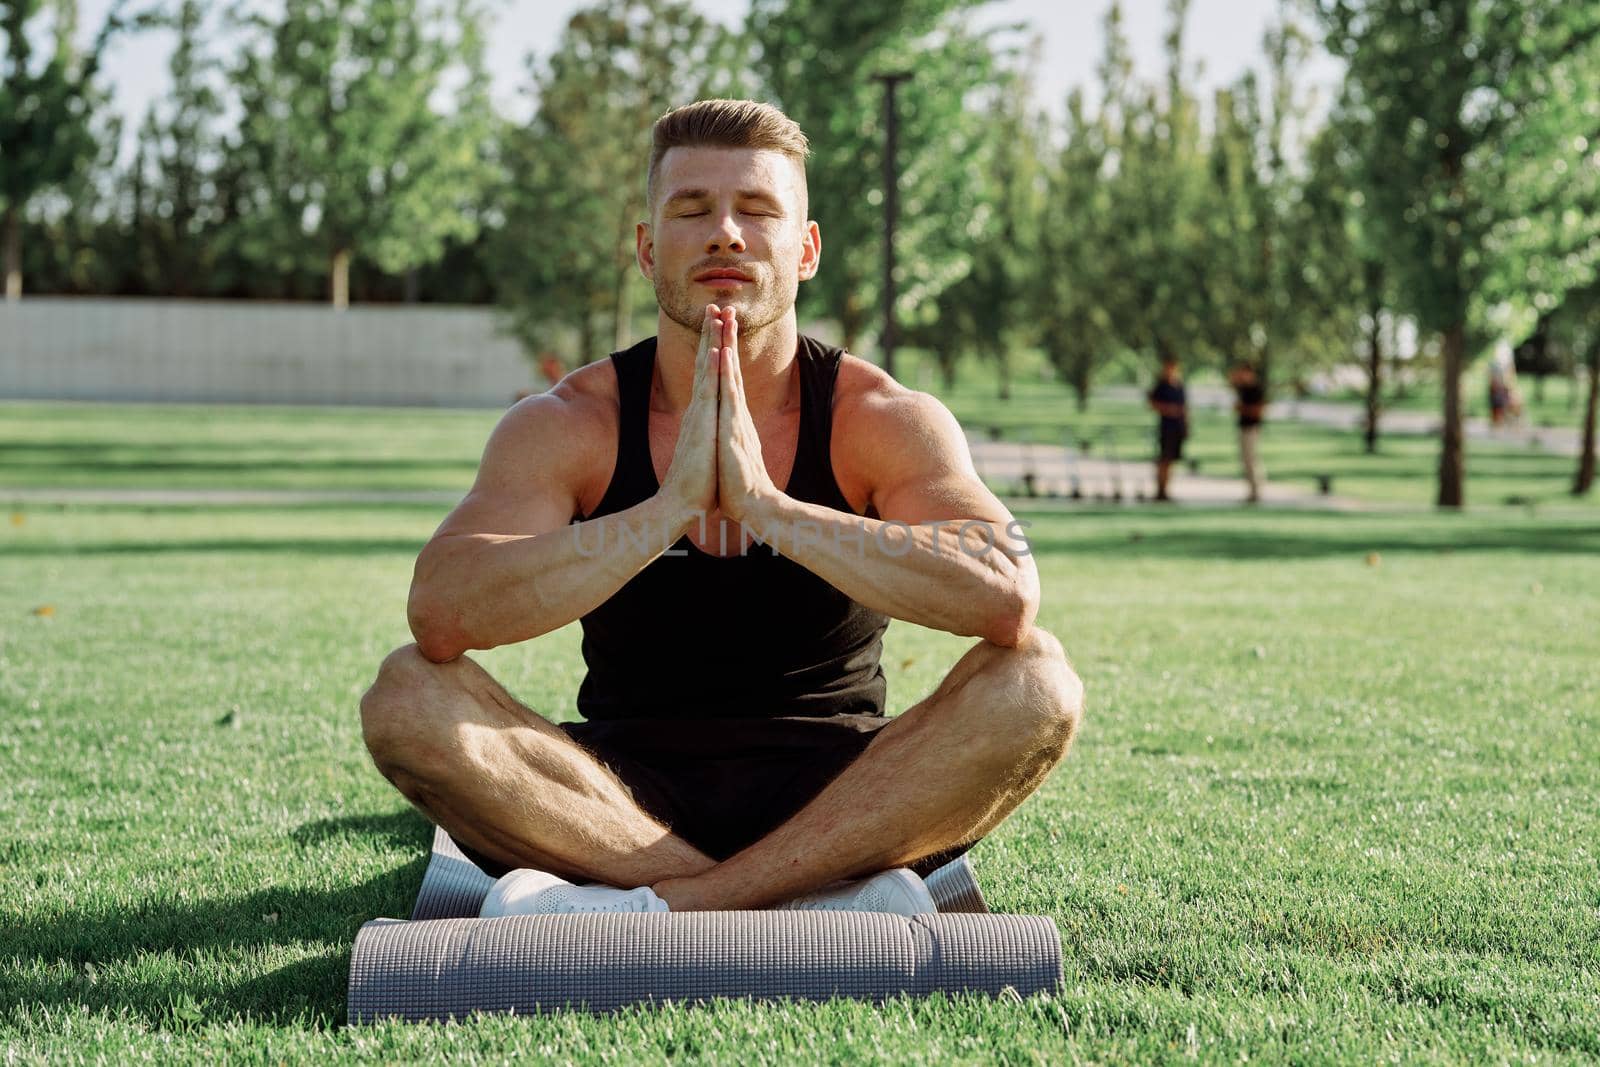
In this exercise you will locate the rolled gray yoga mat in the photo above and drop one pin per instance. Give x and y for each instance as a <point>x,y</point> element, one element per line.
<point>447,963</point>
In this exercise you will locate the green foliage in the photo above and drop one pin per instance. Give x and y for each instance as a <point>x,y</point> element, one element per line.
<point>175,219</point>
<point>574,183</point>
<point>816,60</point>
<point>1154,241</point>
<point>1070,287</point>
<point>343,142</point>
<point>47,109</point>
<point>1271,235</point>
<point>1442,94</point>
<point>980,300</point>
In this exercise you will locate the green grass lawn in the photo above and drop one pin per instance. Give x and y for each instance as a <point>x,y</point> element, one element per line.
<point>1325,806</point>
<point>1298,825</point>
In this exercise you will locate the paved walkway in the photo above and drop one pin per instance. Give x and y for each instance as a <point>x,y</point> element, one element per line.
<point>1062,474</point>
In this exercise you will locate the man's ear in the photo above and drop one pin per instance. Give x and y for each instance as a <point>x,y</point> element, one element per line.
<point>811,250</point>
<point>644,250</point>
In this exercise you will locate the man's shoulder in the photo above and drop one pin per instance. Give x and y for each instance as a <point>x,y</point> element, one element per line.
<point>865,396</point>
<point>584,399</point>
<point>569,428</point>
<point>878,421</point>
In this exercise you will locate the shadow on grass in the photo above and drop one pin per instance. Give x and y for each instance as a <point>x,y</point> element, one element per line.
<point>221,933</point>
<point>400,830</point>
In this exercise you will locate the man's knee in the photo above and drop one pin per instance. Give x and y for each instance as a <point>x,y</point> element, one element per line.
<point>1033,689</point>
<point>391,709</point>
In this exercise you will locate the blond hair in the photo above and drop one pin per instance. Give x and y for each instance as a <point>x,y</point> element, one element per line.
<point>726,124</point>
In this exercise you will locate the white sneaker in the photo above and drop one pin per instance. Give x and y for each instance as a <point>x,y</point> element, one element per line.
<point>899,892</point>
<point>530,892</point>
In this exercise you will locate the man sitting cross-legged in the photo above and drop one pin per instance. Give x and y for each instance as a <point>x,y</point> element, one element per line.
<point>735,752</point>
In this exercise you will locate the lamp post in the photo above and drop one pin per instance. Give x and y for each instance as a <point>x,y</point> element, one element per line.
<point>891,206</point>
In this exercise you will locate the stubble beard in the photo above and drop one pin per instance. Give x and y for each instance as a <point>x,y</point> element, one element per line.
<point>767,306</point>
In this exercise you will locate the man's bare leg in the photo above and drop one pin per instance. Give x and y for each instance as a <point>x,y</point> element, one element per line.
<point>503,780</point>
<point>948,770</point>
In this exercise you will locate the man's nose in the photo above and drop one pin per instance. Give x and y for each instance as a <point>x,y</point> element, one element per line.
<point>726,237</point>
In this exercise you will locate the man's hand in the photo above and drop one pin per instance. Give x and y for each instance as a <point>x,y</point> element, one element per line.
<point>743,485</point>
<point>691,481</point>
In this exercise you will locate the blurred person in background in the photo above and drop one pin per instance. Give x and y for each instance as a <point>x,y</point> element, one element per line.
<point>1170,402</point>
<point>1250,403</point>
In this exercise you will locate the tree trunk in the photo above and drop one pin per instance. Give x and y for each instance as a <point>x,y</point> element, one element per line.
<point>1374,383</point>
<point>586,336</point>
<point>622,312</point>
<point>1082,371</point>
<point>411,289</point>
<point>1005,373</point>
<point>1586,455</point>
<point>339,279</point>
<point>947,370</point>
<point>850,323</point>
<point>1452,463</point>
<point>13,243</point>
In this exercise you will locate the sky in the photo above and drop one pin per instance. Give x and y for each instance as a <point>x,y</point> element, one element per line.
<point>1224,36</point>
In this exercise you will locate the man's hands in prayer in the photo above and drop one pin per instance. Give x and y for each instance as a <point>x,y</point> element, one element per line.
<point>742,480</point>
<point>691,479</point>
<point>717,464</point>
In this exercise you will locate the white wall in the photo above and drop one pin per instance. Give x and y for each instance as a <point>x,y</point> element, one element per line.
<point>82,348</point>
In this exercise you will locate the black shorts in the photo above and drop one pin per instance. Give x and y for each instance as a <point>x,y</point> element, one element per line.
<point>723,784</point>
<point>1171,443</point>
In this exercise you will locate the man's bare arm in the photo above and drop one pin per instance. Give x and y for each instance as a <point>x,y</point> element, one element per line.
<point>945,576</point>
<point>508,564</point>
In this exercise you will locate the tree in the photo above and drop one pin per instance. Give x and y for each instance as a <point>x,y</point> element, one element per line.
<point>347,149</point>
<point>1273,297</point>
<point>1155,242</point>
<point>1435,89</point>
<point>1347,293</point>
<point>173,180</point>
<point>985,308</point>
<point>574,184</point>
<point>816,60</point>
<point>1579,320</point>
<point>1070,287</point>
<point>1545,247</point>
<point>46,109</point>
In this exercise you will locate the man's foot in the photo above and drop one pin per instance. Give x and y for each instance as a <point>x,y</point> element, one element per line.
<point>899,892</point>
<point>530,892</point>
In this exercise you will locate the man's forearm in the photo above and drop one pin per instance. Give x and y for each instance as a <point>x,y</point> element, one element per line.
<point>487,590</point>
<point>965,576</point>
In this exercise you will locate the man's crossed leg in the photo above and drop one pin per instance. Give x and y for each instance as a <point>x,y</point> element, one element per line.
<point>506,782</point>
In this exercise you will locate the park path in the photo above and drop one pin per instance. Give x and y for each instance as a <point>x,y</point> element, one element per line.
<point>1057,471</point>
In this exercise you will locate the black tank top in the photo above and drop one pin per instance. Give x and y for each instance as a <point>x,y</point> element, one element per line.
<point>751,636</point>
